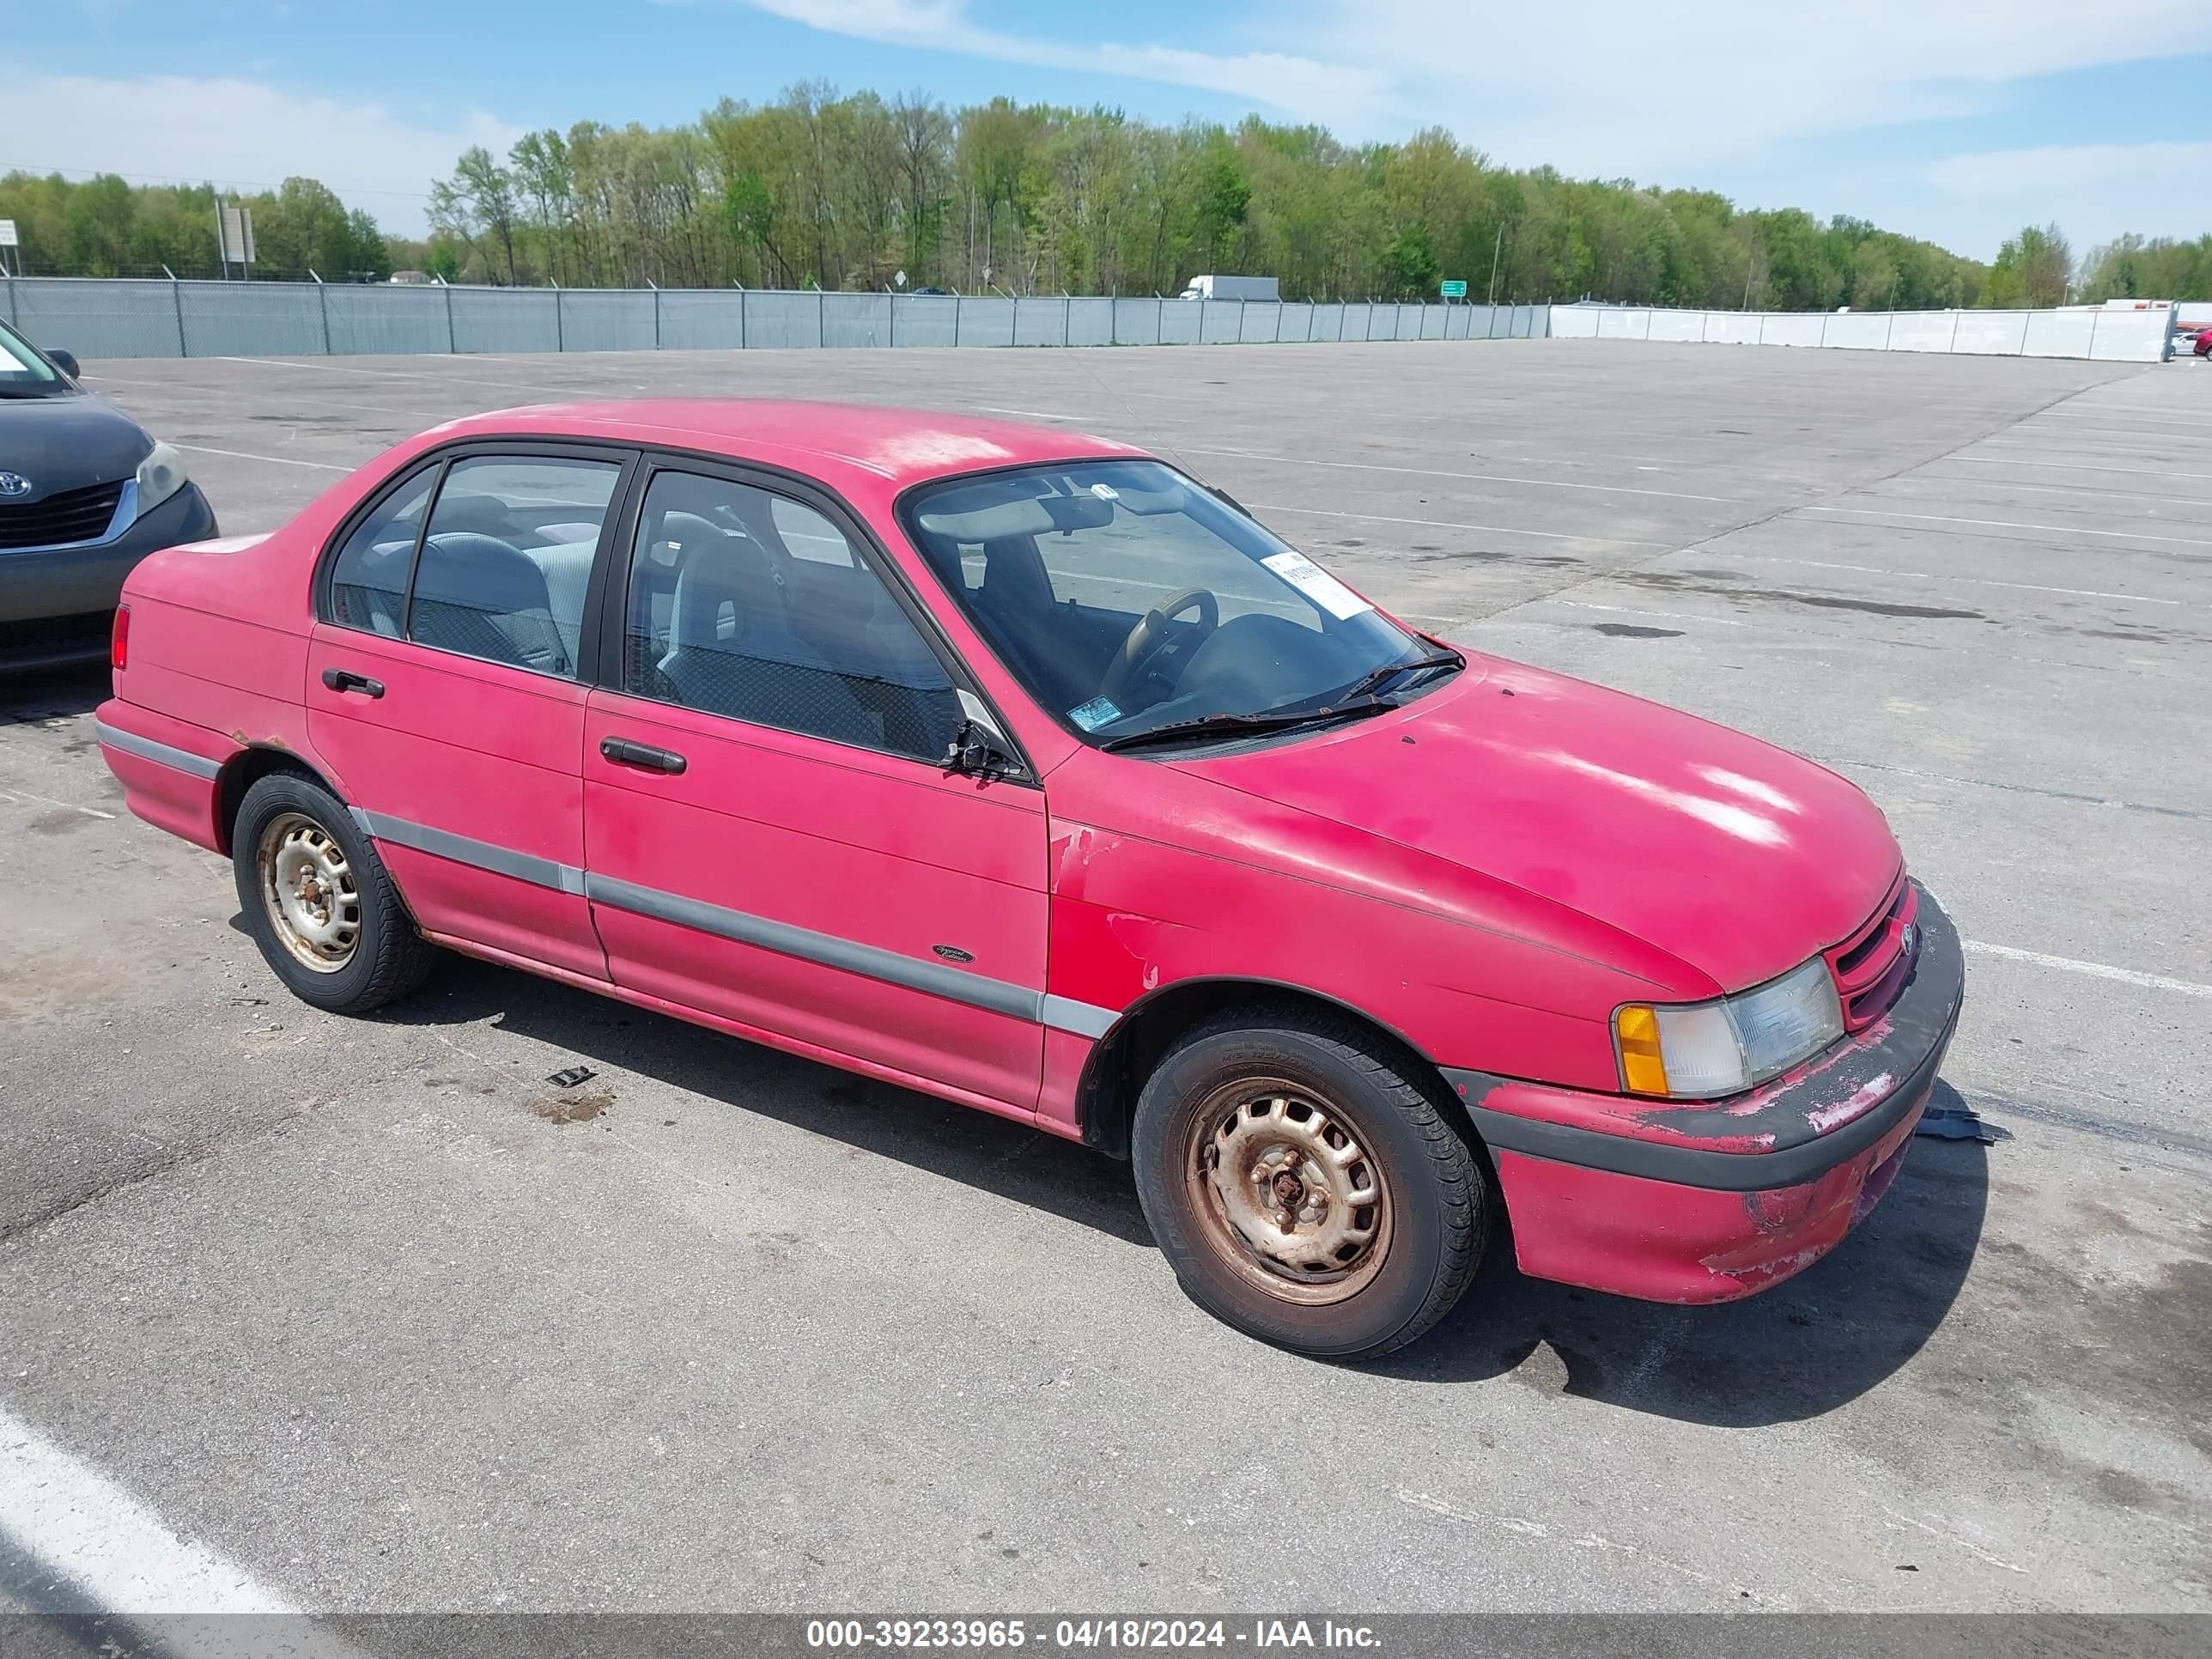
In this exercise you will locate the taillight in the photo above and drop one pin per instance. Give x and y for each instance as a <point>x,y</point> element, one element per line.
<point>118,649</point>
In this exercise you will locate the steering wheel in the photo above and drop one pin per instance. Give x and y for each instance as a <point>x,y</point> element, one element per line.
<point>1149,642</point>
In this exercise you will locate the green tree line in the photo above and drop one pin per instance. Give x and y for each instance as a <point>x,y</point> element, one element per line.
<point>816,189</point>
<point>104,226</point>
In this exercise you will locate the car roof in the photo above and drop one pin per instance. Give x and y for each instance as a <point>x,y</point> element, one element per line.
<point>903,446</point>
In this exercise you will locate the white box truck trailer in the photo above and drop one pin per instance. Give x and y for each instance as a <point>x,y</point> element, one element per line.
<point>1232,287</point>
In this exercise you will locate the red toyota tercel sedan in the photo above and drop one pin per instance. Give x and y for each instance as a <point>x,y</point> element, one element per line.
<point>1019,767</point>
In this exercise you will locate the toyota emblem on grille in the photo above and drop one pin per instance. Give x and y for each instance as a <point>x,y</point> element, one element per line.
<point>13,484</point>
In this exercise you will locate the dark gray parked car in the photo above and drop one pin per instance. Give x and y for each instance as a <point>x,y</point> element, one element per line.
<point>85,493</point>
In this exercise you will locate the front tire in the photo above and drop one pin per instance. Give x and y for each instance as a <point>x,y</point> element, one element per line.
<point>1305,1189</point>
<point>318,901</point>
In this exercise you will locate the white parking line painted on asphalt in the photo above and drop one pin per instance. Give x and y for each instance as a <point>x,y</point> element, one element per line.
<point>18,796</point>
<point>1480,478</point>
<point>2066,466</point>
<point>578,393</point>
<point>84,1527</point>
<point>2094,970</point>
<point>1941,576</point>
<point>1025,413</point>
<point>1446,524</point>
<point>2011,523</point>
<point>280,460</point>
<point>2011,486</point>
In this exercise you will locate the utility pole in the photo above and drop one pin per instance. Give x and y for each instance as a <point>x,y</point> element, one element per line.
<point>1497,249</point>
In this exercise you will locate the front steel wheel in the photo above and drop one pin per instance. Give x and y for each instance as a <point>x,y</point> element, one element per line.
<point>1286,1192</point>
<point>308,891</point>
<point>1301,1176</point>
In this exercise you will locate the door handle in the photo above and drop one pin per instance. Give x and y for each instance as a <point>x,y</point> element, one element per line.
<point>623,752</point>
<point>342,679</point>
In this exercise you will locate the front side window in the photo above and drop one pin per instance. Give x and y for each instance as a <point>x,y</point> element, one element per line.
<point>506,565</point>
<point>753,605</point>
<point>1134,605</point>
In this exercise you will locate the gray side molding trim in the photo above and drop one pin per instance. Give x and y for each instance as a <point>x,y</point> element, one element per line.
<point>146,749</point>
<point>499,860</point>
<point>1083,1019</point>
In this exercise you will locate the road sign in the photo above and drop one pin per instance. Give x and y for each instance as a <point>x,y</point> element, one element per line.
<point>8,232</point>
<point>1455,289</point>
<point>238,235</point>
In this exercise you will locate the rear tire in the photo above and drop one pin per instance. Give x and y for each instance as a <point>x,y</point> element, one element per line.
<point>318,901</point>
<point>1305,1189</point>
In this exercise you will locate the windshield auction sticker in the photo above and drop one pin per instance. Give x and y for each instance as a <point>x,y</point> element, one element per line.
<point>1317,585</point>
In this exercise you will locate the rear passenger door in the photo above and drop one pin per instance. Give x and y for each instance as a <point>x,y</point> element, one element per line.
<point>447,680</point>
<point>771,835</point>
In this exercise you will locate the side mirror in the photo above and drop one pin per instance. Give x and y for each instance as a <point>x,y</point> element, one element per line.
<point>64,360</point>
<point>977,751</point>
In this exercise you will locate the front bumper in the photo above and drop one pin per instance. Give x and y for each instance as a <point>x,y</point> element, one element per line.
<point>42,590</point>
<point>1707,1201</point>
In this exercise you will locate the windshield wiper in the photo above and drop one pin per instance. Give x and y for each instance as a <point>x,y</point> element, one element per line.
<point>1390,671</point>
<point>1246,725</point>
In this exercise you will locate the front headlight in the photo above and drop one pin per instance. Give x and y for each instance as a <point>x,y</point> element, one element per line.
<point>160,476</point>
<point>1699,1050</point>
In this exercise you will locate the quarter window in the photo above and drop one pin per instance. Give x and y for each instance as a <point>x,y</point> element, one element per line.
<point>368,584</point>
<point>756,606</point>
<point>507,563</point>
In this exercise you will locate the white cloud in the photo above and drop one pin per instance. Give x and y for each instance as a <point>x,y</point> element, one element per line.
<point>1609,87</point>
<point>1351,94</point>
<point>2095,192</point>
<point>244,133</point>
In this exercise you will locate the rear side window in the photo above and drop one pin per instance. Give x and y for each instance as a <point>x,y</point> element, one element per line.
<point>368,584</point>
<point>756,606</point>
<point>507,563</point>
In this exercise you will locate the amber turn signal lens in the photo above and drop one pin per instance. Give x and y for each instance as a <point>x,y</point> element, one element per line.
<point>1642,1068</point>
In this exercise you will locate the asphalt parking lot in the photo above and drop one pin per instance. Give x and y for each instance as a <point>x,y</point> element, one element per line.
<point>373,1318</point>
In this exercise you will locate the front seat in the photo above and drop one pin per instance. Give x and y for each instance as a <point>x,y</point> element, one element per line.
<point>484,597</point>
<point>760,671</point>
<point>1016,604</point>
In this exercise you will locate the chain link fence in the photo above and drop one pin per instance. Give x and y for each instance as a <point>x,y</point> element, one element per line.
<point>100,318</point>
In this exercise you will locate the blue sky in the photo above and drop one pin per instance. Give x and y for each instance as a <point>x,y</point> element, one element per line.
<point>1958,120</point>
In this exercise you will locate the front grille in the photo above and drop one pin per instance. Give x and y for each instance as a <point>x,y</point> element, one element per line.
<point>70,515</point>
<point>1872,965</point>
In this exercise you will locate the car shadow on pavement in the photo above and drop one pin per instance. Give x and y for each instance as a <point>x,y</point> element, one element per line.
<point>1808,1346</point>
<point>996,1155</point>
<point>1805,1347</point>
<point>30,695</point>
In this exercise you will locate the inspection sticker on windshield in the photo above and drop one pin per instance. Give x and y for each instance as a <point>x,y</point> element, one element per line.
<point>1317,585</point>
<point>1099,712</point>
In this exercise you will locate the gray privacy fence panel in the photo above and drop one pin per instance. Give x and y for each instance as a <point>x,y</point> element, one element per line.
<point>925,319</point>
<point>1260,324</point>
<point>365,320</point>
<point>1180,321</point>
<point>609,320</point>
<point>97,318</point>
<point>702,319</point>
<point>1040,321</point>
<point>2121,336</point>
<point>855,319</point>
<point>1090,322</point>
<point>1357,320</point>
<point>1137,322</point>
<point>783,320</point>
<point>518,319</point>
<point>987,321</point>
<point>1220,322</point>
<point>235,319</point>
<point>1297,320</point>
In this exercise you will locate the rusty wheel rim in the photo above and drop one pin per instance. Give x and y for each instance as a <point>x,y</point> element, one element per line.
<point>307,887</point>
<point>1286,1191</point>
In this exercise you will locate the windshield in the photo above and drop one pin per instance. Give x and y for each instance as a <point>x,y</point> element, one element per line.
<point>1128,599</point>
<point>23,372</point>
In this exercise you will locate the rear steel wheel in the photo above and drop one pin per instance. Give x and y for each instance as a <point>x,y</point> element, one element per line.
<point>308,890</point>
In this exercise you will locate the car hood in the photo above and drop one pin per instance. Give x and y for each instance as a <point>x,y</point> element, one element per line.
<point>67,443</point>
<point>1737,858</point>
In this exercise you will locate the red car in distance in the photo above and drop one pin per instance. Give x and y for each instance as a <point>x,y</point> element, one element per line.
<point>1019,767</point>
